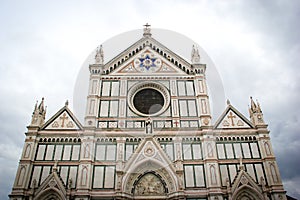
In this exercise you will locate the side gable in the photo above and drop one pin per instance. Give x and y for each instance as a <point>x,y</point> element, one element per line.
<point>231,118</point>
<point>124,62</point>
<point>64,119</point>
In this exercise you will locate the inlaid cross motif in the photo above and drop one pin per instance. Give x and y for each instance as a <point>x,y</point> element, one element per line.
<point>176,123</point>
<point>231,118</point>
<point>63,118</point>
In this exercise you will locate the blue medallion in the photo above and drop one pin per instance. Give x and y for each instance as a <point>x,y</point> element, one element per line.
<point>147,62</point>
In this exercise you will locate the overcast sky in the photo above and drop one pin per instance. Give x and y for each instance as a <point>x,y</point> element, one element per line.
<point>255,46</point>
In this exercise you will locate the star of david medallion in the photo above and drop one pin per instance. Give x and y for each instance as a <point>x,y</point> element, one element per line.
<point>147,63</point>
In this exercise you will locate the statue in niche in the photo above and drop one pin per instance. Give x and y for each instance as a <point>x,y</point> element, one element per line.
<point>86,151</point>
<point>213,175</point>
<point>209,150</point>
<point>149,126</point>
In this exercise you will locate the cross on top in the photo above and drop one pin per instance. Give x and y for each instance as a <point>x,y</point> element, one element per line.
<point>147,25</point>
<point>147,30</point>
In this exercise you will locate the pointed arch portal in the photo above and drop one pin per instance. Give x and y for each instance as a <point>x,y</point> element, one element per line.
<point>247,193</point>
<point>50,194</point>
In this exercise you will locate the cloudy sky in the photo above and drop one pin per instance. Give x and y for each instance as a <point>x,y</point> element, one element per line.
<point>255,46</point>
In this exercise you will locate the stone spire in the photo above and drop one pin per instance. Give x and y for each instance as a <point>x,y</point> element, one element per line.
<point>255,112</point>
<point>147,30</point>
<point>195,56</point>
<point>99,57</point>
<point>39,114</point>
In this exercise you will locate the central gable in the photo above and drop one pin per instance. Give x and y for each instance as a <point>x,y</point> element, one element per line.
<point>147,62</point>
<point>147,56</point>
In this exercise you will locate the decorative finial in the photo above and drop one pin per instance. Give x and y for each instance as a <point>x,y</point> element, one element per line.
<point>41,106</point>
<point>70,183</point>
<point>67,103</point>
<point>195,55</point>
<point>99,57</point>
<point>228,102</point>
<point>241,167</point>
<point>258,106</point>
<point>147,30</point>
<point>253,105</point>
<point>54,168</point>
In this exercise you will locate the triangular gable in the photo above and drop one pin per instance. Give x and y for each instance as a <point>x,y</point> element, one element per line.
<point>146,62</point>
<point>52,183</point>
<point>149,157</point>
<point>231,118</point>
<point>64,119</point>
<point>244,182</point>
<point>125,61</point>
<point>148,150</point>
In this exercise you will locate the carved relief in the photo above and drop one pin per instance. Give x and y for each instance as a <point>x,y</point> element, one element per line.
<point>225,123</point>
<point>55,125</point>
<point>52,183</point>
<point>205,121</point>
<point>86,151</point>
<point>149,184</point>
<point>149,151</point>
<point>210,152</point>
<point>240,123</point>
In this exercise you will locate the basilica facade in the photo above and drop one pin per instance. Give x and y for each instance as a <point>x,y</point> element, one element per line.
<point>148,133</point>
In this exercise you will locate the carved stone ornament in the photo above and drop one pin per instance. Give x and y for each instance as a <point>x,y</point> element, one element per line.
<point>206,121</point>
<point>244,180</point>
<point>149,185</point>
<point>52,183</point>
<point>149,151</point>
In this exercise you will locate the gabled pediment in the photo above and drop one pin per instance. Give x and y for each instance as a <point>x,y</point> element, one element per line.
<point>52,184</point>
<point>231,118</point>
<point>244,185</point>
<point>148,150</point>
<point>147,56</point>
<point>148,62</point>
<point>64,119</point>
<point>149,157</point>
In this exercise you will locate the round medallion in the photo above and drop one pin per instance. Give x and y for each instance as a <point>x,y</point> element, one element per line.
<point>147,62</point>
<point>149,151</point>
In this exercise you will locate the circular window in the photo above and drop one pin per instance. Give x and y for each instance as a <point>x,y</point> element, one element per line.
<point>148,99</point>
